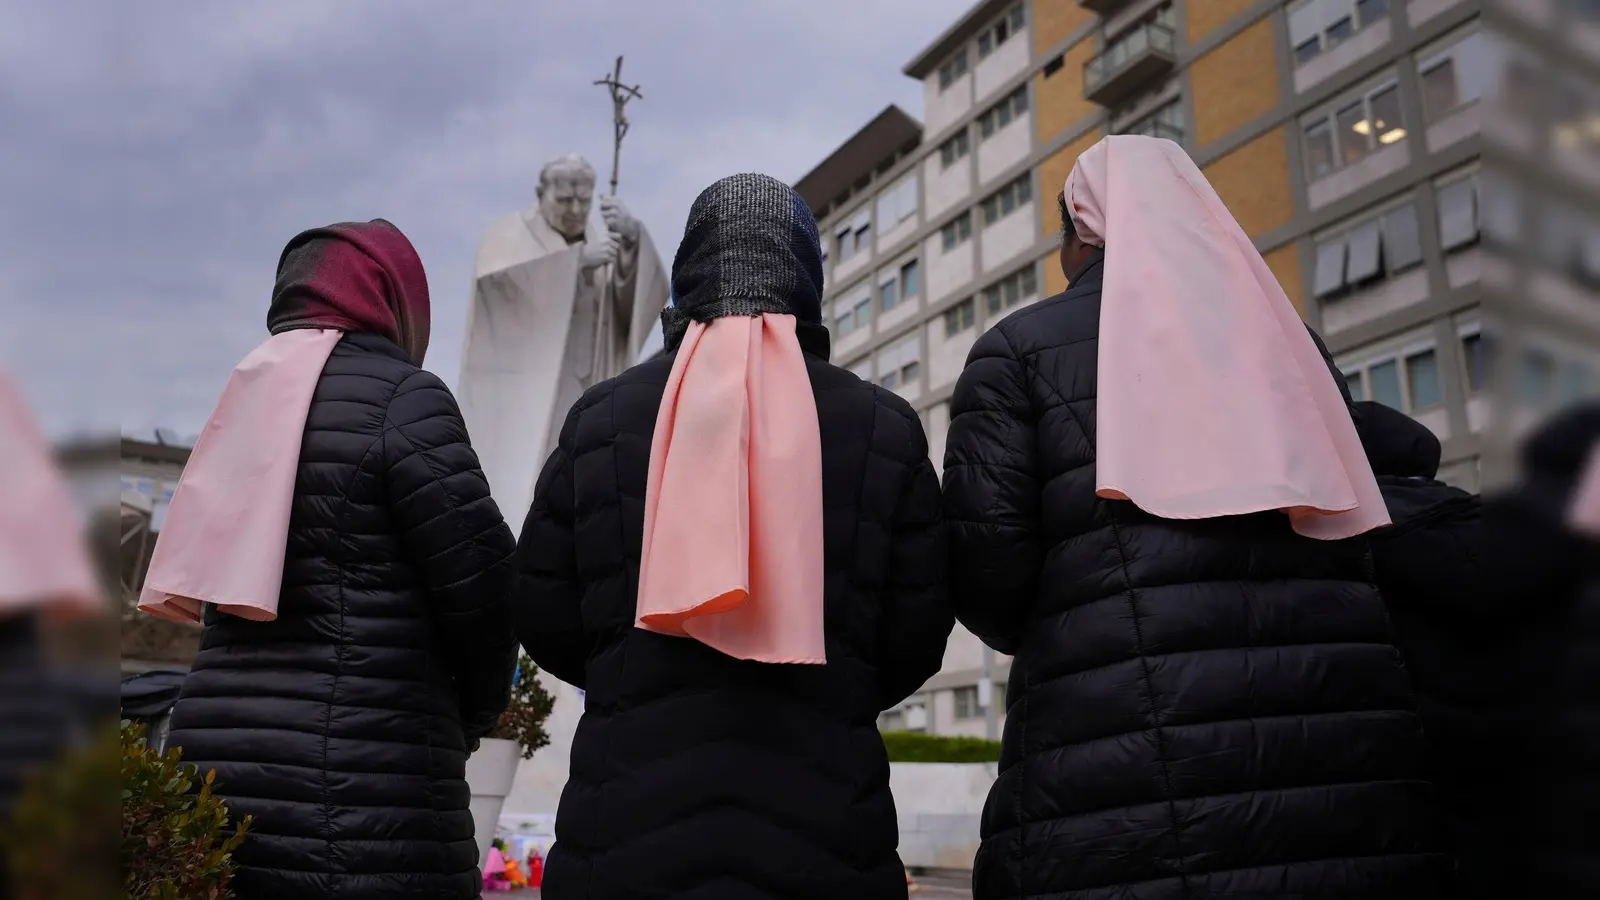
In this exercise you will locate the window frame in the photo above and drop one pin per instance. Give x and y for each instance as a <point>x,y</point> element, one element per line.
<point>953,69</point>
<point>1022,283</point>
<point>1390,263</point>
<point>1019,191</point>
<point>1400,356</point>
<point>1346,11</point>
<point>960,146</point>
<point>954,227</point>
<point>1012,107</point>
<point>960,317</point>
<point>1012,21</point>
<point>1329,117</point>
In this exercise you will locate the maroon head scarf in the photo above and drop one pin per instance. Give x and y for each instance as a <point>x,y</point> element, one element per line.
<point>353,276</point>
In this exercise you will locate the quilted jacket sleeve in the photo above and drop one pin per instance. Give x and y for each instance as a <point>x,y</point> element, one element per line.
<point>917,617</point>
<point>991,495</point>
<point>548,598</point>
<point>457,538</point>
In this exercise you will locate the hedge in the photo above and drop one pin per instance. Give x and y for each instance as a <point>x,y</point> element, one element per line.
<point>909,746</point>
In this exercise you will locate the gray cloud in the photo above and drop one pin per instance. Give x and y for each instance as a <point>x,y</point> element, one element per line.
<point>159,154</point>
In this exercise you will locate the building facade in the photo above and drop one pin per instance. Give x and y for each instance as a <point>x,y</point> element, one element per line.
<point>1344,135</point>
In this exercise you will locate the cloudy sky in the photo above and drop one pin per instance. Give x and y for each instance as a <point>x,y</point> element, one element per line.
<point>158,154</point>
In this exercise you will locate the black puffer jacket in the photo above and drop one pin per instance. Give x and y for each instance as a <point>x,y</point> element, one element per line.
<point>1197,708</point>
<point>342,727</point>
<point>1450,617</point>
<point>696,775</point>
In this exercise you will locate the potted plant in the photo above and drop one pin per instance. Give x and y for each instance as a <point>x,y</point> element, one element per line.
<point>492,768</point>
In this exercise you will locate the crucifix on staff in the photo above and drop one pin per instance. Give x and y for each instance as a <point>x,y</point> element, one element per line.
<point>620,95</point>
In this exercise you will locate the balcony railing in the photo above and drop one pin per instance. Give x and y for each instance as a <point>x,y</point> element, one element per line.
<point>1137,58</point>
<point>1103,7</point>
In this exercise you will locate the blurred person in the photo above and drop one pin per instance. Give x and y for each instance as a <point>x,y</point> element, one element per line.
<point>736,552</point>
<point>1542,809</point>
<point>1436,566</point>
<point>45,573</point>
<point>334,533</point>
<point>1156,506</point>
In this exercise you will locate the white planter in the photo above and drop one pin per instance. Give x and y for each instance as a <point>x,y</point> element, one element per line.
<point>490,772</point>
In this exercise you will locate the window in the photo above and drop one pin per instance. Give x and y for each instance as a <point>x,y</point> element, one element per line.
<point>953,68</point>
<point>910,279</point>
<point>955,149</point>
<point>1422,380</point>
<point>966,699</point>
<point>1011,290</point>
<point>1458,213</point>
<point>1352,131</point>
<point>1408,381</point>
<point>957,231</point>
<point>960,317</point>
<point>1164,122</point>
<point>853,317</point>
<point>889,294</point>
<point>862,370</point>
<point>1005,201</point>
<point>1356,385</point>
<point>1384,380</point>
<point>897,286</point>
<point>855,235</point>
<point>1377,247</point>
<point>898,203</point>
<point>1477,356</point>
<point>1008,27</point>
<point>1456,76</point>
<point>1536,377</point>
<point>1055,65</point>
<point>900,363</point>
<point>893,720</point>
<point>1316,26</point>
<point>996,117</point>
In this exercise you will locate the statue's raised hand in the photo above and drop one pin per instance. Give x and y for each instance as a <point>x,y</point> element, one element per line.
<point>599,253</point>
<point>618,220</point>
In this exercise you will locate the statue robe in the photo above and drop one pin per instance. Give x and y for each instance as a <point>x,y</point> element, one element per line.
<point>538,336</point>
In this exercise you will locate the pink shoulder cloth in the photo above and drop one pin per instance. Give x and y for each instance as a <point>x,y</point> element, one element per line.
<point>1584,516</point>
<point>44,561</point>
<point>732,552</point>
<point>227,529</point>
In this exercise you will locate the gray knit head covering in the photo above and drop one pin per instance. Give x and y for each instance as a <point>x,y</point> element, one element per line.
<point>750,247</point>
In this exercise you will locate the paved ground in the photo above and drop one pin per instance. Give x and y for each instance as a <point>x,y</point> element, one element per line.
<point>944,887</point>
<point>934,887</point>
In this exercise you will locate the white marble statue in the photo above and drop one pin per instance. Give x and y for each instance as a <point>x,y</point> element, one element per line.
<point>557,305</point>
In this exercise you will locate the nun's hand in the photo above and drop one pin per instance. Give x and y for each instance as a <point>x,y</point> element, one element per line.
<point>618,220</point>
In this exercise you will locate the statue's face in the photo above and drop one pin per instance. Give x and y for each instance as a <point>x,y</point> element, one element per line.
<point>564,202</point>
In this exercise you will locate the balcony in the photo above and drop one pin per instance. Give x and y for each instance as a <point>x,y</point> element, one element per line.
<point>1103,7</point>
<point>1139,57</point>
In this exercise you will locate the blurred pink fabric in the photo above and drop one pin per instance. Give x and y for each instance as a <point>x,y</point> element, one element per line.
<point>228,525</point>
<point>1212,399</point>
<point>732,551</point>
<point>44,560</point>
<point>1584,516</point>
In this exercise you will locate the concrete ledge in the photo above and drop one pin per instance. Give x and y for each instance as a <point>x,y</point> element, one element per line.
<point>940,806</point>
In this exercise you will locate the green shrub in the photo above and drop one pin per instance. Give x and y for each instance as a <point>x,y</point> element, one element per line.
<point>908,746</point>
<point>61,840</point>
<point>176,844</point>
<point>530,705</point>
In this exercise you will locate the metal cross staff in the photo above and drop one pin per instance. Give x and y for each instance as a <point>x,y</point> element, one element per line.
<point>620,95</point>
